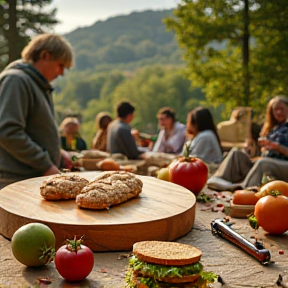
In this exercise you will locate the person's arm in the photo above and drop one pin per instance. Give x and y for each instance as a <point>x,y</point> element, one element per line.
<point>51,171</point>
<point>277,147</point>
<point>158,146</point>
<point>14,112</point>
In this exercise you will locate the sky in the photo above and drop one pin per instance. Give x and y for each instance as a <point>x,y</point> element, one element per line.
<point>82,13</point>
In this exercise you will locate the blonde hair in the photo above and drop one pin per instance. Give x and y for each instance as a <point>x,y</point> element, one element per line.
<point>55,45</point>
<point>270,121</point>
<point>69,120</point>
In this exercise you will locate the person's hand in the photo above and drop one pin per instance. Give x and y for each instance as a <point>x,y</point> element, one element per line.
<point>269,145</point>
<point>263,141</point>
<point>66,160</point>
<point>51,171</point>
<point>143,156</point>
<point>135,133</point>
<point>248,145</point>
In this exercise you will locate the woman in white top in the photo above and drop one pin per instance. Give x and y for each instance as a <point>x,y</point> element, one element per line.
<point>205,143</point>
<point>172,135</point>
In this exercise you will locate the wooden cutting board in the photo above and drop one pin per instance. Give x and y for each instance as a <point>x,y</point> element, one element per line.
<point>163,211</point>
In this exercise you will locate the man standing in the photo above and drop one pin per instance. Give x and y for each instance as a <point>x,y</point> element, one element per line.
<point>119,137</point>
<point>29,139</point>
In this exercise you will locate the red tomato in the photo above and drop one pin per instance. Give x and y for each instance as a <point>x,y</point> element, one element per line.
<point>245,197</point>
<point>189,172</point>
<point>74,264</point>
<point>271,213</point>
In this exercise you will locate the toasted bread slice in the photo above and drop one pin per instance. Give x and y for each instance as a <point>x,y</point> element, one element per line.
<point>62,187</point>
<point>166,253</point>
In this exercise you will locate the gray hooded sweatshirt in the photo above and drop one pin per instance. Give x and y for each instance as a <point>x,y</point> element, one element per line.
<point>29,140</point>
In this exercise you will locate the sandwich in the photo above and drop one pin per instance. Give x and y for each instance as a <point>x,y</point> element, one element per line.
<point>158,264</point>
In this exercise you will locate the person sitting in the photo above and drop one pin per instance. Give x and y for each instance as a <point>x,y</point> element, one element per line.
<point>70,137</point>
<point>205,143</point>
<point>172,135</point>
<point>239,171</point>
<point>119,137</point>
<point>102,121</point>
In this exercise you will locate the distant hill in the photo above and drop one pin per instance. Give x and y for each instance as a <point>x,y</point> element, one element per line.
<point>126,42</point>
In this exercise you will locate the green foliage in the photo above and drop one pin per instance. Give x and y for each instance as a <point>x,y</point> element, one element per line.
<point>219,69</point>
<point>18,20</point>
<point>152,88</point>
<point>148,89</point>
<point>137,39</point>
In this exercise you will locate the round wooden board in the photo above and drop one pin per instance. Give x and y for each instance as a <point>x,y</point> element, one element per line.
<point>163,211</point>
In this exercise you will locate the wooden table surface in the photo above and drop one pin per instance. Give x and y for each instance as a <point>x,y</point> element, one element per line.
<point>237,268</point>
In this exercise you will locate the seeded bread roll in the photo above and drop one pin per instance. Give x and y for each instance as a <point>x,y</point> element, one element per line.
<point>62,187</point>
<point>166,253</point>
<point>108,189</point>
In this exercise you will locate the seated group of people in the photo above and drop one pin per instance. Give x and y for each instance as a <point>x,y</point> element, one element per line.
<point>201,137</point>
<point>119,138</point>
<point>172,136</point>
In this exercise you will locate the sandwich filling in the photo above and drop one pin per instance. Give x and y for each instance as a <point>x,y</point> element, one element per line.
<point>160,271</point>
<point>148,275</point>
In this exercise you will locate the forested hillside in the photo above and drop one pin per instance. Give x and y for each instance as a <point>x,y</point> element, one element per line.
<point>125,42</point>
<point>148,89</point>
<point>132,58</point>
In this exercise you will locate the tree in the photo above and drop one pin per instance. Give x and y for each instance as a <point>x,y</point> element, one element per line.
<point>22,18</point>
<point>215,35</point>
<point>149,89</point>
<point>154,87</point>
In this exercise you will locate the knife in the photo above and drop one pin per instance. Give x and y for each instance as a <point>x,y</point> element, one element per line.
<point>220,227</point>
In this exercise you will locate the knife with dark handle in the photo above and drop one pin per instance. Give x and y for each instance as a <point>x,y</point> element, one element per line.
<point>220,228</point>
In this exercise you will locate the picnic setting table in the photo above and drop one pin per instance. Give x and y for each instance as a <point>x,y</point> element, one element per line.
<point>189,223</point>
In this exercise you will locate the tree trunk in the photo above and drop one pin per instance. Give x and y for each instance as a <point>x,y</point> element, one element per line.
<point>246,72</point>
<point>13,33</point>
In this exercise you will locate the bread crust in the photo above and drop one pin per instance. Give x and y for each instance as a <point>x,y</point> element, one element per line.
<point>62,187</point>
<point>166,253</point>
<point>108,189</point>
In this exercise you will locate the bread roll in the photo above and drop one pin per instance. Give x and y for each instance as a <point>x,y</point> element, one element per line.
<point>62,187</point>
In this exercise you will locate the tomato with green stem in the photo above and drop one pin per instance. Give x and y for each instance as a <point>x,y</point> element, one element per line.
<point>74,261</point>
<point>271,213</point>
<point>189,172</point>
